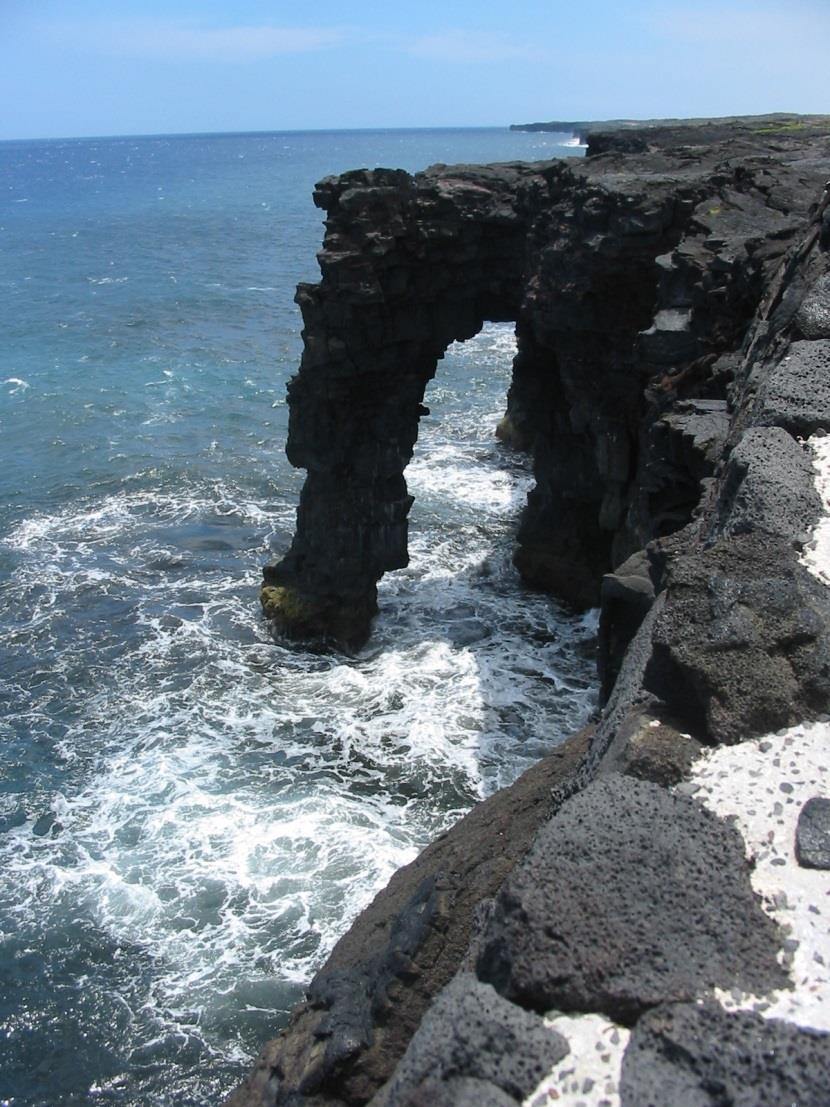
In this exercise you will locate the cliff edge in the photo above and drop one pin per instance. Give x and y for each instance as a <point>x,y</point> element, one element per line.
<point>642,917</point>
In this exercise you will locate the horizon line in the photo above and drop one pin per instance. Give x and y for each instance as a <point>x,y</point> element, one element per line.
<point>259,131</point>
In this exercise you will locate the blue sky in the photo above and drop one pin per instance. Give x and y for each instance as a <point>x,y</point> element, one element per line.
<point>88,67</point>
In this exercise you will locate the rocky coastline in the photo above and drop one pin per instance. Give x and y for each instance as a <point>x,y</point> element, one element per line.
<point>608,930</point>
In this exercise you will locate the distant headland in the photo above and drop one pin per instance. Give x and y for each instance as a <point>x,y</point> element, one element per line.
<point>709,129</point>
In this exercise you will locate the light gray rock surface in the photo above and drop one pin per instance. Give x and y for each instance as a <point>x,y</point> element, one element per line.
<point>796,394</point>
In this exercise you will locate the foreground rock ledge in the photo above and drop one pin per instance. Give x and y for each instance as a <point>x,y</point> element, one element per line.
<point>673,319</point>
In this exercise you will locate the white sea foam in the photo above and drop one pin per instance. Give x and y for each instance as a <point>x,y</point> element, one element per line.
<point>228,805</point>
<point>18,385</point>
<point>448,476</point>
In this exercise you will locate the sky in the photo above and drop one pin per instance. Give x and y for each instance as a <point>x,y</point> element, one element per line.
<point>89,67</point>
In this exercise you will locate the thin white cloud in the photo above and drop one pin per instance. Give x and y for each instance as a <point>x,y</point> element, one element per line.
<point>172,39</point>
<point>464,47</point>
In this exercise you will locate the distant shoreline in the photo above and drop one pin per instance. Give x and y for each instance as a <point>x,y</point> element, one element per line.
<point>585,127</point>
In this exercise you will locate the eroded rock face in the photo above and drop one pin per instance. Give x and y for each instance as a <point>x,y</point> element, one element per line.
<point>632,283</point>
<point>409,265</point>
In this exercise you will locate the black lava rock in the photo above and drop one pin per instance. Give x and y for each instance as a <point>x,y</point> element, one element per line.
<point>457,1092</point>
<point>769,486</point>
<point>471,1032</point>
<point>703,1056</point>
<point>741,646</point>
<point>813,318</point>
<point>812,835</point>
<point>797,392</point>
<point>630,897</point>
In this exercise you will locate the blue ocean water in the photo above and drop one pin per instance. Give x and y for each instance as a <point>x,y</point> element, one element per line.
<point>190,812</point>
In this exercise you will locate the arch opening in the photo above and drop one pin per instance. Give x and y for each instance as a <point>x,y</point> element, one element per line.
<point>354,512</point>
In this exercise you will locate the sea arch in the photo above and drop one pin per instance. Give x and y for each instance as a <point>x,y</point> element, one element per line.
<point>409,265</point>
<point>412,263</point>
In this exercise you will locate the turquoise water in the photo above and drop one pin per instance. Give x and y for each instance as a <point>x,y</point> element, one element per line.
<point>191,813</point>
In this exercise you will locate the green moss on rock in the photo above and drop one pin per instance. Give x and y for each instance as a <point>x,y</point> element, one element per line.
<point>284,604</point>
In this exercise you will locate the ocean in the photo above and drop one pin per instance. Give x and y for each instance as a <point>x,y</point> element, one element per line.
<point>191,813</point>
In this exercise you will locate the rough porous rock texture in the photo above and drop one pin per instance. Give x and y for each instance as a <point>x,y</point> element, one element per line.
<point>651,749</point>
<point>470,1031</point>
<point>672,303</point>
<point>630,897</point>
<point>742,644</point>
<point>703,1056</point>
<point>632,282</point>
<point>796,395</point>
<point>768,486</point>
<point>812,839</point>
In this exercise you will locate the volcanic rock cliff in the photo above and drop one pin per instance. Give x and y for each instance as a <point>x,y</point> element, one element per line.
<point>672,310</point>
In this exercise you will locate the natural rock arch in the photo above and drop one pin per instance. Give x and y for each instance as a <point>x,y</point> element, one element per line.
<point>625,290</point>
<point>409,266</point>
